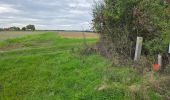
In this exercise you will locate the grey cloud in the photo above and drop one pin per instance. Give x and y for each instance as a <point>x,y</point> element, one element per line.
<point>47,14</point>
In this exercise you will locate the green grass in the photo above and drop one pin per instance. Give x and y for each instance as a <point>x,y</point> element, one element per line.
<point>48,67</point>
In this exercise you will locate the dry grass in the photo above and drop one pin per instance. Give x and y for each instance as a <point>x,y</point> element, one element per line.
<point>78,35</point>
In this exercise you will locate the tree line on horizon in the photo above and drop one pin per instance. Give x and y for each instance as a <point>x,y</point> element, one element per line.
<point>14,28</point>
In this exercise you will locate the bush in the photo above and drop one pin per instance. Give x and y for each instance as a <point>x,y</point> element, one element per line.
<point>123,20</point>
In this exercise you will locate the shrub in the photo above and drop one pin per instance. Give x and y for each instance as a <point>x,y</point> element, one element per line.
<point>123,20</point>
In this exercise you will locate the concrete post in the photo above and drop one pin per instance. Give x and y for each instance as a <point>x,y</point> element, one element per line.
<point>160,60</point>
<point>138,48</point>
<point>169,48</point>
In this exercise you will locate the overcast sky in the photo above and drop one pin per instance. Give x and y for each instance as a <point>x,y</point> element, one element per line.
<point>47,14</point>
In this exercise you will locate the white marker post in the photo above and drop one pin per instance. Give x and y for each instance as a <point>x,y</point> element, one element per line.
<point>169,48</point>
<point>138,48</point>
<point>160,60</point>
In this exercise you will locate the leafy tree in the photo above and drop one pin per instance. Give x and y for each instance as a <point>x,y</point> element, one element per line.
<point>30,27</point>
<point>24,29</point>
<point>17,29</point>
<point>1,29</point>
<point>14,28</point>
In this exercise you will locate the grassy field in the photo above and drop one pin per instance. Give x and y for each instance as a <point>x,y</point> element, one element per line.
<point>50,67</point>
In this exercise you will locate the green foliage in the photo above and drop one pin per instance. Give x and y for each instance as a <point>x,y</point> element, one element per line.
<point>156,46</point>
<point>13,28</point>
<point>124,20</point>
<point>24,29</point>
<point>30,27</point>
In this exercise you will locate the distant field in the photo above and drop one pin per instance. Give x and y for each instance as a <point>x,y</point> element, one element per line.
<point>14,34</point>
<point>78,35</point>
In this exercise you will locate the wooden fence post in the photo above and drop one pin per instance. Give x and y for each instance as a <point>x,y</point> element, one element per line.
<point>138,48</point>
